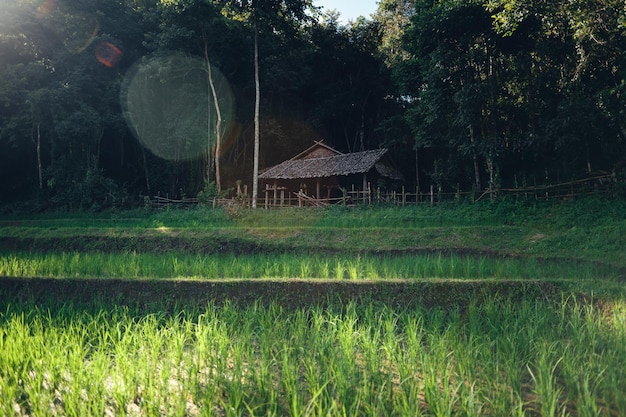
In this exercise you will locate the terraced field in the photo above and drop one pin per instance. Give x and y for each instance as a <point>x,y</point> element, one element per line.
<point>493,309</point>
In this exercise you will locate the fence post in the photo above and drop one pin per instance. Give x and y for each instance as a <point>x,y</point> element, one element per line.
<point>432,195</point>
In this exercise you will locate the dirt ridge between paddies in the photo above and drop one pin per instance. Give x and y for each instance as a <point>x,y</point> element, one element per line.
<point>289,293</point>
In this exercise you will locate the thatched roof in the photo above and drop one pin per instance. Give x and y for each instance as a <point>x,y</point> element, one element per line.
<point>329,166</point>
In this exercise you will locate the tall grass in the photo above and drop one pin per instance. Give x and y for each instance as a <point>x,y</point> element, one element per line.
<point>497,358</point>
<point>198,218</point>
<point>595,211</point>
<point>591,229</point>
<point>288,265</point>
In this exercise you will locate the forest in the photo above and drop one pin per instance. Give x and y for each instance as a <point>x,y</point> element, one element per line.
<point>104,104</point>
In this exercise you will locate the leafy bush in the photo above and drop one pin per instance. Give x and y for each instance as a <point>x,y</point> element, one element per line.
<point>94,191</point>
<point>210,192</point>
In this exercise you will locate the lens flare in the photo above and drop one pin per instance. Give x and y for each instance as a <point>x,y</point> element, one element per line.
<point>45,8</point>
<point>169,105</point>
<point>76,28</point>
<point>108,54</point>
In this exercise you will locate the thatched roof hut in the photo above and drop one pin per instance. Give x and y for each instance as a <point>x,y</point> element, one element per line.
<point>327,166</point>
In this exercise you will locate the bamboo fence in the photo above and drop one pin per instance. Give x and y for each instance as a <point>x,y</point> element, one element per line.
<point>276,197</point>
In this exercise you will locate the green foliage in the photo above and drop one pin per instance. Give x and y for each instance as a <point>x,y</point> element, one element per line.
<point>209,192</point>
<point>590,230</point>
<point>91,192</point>
<point>499,357</point>
<point>486,93</point>
<point>483,101</point>
<point>365,267</point>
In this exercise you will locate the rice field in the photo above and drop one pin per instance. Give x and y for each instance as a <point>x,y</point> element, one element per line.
<point>527,318</point>
<point>500,357</point>
<point>302,266</point>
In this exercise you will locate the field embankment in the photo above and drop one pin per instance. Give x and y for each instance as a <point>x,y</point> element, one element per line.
<point>579,245</point>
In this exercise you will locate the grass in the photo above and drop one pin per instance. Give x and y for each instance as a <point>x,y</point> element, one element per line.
<point>590,230</point>
<point>291,265</point>
<point>497,308</point>
<point>496,358</point>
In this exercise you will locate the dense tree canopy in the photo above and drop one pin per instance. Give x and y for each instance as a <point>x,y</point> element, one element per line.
<point>476,94</point>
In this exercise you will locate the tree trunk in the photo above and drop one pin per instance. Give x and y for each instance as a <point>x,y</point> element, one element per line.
<point>475,160</point>
<point>362,127</point>
<point>492,177</point>
<point>218,122</point>
<point>145,170</point>
<point>38,146</point>
<point>417,168</point>
<point>257,106</point>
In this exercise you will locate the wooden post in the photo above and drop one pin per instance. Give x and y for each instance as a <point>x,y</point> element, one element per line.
<point>317,190</point>
<point>364,188</point>
<point>275,192</point>
<point>403,197</point>
<point>547,183</point>
<point>266,196</point>
<point>432,195</point>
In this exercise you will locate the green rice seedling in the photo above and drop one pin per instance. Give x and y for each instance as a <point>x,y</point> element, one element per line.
<point>544,379</point>
<point>440,270</point>
<point>371,270</point>
<point>289,378</point>
<point>440,392</point>
<point>586,400</point>
<point>454,268</point>
<point>305,268</point>
<point>339,270</point>
<point>324,268</point>
<point>287,269</point>
<point>271,268</point>
<point>468,268</point>
<point>353,268</point>
<point>10,266</point>
<point>481,270</point>
<point>407,398</point>
<point>179,265</point>
<point>470,404</point>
